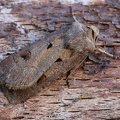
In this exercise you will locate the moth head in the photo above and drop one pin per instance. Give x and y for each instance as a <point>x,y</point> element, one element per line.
<point>93,33</point>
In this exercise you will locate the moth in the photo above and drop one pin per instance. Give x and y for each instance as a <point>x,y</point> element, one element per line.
<point>27,71</point>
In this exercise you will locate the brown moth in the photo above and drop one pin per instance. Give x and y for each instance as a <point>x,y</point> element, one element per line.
<point>29,70</point>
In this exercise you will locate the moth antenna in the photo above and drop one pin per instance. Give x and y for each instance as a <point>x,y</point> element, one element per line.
<point>75,18</point>
<point>103,51</point>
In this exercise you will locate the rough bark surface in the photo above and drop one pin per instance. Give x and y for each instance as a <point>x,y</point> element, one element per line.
<point>92,94</point>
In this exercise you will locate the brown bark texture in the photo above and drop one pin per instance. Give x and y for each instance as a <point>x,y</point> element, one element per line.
<point>92,91</point>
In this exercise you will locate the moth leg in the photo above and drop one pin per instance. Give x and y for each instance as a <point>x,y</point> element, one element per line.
<point>71,70</point>
<point>67,78</point>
